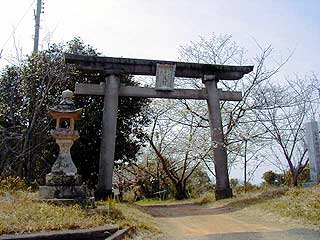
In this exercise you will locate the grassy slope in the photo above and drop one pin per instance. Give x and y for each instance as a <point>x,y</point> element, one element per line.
<point>19,213</point>
<point>129,215</point>
<point>204,199</point>
<point>301,204</point>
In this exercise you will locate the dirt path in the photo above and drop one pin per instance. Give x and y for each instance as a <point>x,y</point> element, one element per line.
<point>189,221</point>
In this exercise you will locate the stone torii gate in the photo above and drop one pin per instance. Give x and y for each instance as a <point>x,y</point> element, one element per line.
<point>165,71</point>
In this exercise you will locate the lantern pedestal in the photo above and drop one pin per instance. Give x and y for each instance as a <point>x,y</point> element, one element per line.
<point>64,138</point>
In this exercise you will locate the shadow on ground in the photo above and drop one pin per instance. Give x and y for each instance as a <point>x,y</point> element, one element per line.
<point>190,209</point>
<point>183,210</point>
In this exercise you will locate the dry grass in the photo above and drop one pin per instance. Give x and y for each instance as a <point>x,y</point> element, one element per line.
<point>155,201</point>
<point>136,218</point>
<point>298,203</point>
<point>131,215</point>
<point>19,213</point>
<point>301,204</point>
<point>205,198</point>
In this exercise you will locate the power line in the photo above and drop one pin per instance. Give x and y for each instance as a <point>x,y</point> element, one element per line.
<point>15,28</point>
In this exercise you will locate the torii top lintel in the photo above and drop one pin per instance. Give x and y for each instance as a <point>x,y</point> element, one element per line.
<point>148,67</point>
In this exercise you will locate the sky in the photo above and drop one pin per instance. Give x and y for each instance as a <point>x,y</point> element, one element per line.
<point>155,29</point>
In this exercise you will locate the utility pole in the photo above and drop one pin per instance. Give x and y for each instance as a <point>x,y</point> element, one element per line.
<point>37,26</point>
<point>245,165</point>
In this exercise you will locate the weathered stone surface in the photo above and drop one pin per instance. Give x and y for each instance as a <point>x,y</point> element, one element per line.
<point>223,189</point>
<point>108,141</point>
<point>54,179</point>
<point>148,67</point>
<point>165,76</point>
<point>63,192</point>
<point>135,91</point>
<point>64,161</point>
<point>88,203</point>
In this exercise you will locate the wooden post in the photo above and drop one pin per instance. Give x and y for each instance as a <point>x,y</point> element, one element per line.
<point>109,126</point>
<point>223,189</point>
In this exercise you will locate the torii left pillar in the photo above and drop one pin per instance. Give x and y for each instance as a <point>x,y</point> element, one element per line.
<point>108,139</point>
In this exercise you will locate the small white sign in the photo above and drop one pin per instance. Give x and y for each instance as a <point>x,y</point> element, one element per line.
<point>165,76</point>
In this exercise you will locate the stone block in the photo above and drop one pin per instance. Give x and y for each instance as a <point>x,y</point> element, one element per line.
<point>53,179</point>
<point>88,203</point>
<point>63,192</point>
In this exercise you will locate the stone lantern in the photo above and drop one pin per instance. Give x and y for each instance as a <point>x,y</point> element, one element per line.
<point>63,184</point>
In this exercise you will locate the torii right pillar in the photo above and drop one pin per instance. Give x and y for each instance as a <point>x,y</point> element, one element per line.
<point>223,189</point>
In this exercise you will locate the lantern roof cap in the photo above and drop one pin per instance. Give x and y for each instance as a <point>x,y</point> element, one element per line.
<point>66,105</point>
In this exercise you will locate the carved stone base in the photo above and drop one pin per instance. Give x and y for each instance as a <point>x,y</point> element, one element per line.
<point>63,192</point>
<point>88,203</point>
<point>62,188</point>
<point>53,179</point>
<point>223,193</point>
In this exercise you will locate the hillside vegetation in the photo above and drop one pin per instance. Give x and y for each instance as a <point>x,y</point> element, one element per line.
<point>21,212</point>
<point>302,204</point>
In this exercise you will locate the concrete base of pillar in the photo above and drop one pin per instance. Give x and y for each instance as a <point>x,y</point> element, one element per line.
<point>103,194</point>
<point>223,193</point>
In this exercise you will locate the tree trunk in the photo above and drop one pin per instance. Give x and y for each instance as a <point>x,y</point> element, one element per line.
<point>181,192</point>
<point>295,179</point>
<point>4,150</point>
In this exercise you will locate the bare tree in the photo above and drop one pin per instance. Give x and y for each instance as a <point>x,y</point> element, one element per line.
<point>237,117</point>
<point>282,113</point>
<point>177,147</point>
